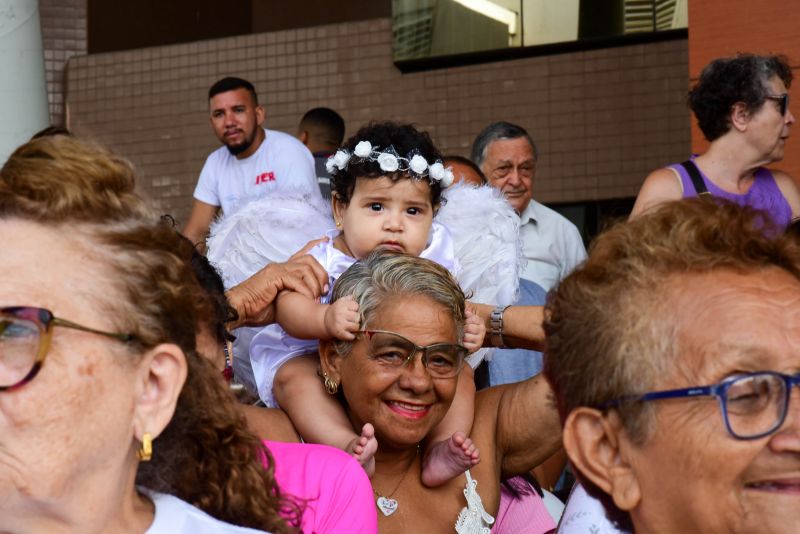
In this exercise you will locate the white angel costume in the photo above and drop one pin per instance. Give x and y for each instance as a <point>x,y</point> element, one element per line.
<point>474,235</point>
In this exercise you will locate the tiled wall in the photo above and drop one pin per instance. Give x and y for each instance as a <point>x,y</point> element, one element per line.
<point>63,36</point>
<point>602,118</point>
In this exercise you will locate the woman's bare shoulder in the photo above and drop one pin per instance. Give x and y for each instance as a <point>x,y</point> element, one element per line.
<point>661,185</point>
<point>270,423</point>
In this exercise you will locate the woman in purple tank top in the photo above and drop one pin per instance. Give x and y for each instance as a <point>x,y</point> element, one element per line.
<point>742,108</point>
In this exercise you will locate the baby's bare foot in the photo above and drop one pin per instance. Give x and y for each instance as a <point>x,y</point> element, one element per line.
<point>448,459</point>
<point>364,447</point>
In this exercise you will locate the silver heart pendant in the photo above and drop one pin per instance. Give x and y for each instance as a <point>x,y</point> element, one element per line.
<point>387,506</point>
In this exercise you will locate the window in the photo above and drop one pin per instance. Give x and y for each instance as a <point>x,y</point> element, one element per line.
<point>434,28</point>
<point>593,216</point>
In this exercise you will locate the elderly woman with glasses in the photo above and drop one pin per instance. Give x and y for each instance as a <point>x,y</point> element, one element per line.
<point>742,108</point>
<point>110,420</point>
<point>674,354</point>
<point>399,375</point>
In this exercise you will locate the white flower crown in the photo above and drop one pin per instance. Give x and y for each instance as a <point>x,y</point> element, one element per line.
<point>388,160</point>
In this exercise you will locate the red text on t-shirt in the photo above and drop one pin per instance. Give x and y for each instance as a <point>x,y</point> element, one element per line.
<point>265,177</point>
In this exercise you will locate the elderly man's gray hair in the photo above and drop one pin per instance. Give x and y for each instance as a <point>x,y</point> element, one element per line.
<point>498,131</point>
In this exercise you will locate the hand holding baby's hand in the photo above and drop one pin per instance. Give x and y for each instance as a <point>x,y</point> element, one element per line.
<point>474,331</point>
<point>342,319</point>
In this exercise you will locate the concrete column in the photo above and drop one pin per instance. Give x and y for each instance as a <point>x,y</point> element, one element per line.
<point>23,91</point>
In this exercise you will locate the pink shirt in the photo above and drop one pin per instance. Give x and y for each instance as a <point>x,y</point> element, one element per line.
<point>336,488</point>
<point>525,514</point>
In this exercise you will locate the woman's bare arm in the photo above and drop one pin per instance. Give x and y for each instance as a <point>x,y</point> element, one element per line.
<point>525,423</point>
<point>269,423</point>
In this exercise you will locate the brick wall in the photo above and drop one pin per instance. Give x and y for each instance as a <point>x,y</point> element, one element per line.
<point>603,119</point>
<point>63,36</point>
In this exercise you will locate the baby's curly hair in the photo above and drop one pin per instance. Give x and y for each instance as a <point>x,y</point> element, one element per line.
<point>405,138</point>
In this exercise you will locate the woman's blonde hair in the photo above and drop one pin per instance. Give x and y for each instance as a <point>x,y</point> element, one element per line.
<point>205,456</point>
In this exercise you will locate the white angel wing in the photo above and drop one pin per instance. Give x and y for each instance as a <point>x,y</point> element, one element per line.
<point>485,232</point>
<point>267,229</point>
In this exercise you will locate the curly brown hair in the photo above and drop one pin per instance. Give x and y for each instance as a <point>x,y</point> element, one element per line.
<point>205,456</point>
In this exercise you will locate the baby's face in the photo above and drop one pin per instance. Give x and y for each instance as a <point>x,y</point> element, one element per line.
<point>382,213</point>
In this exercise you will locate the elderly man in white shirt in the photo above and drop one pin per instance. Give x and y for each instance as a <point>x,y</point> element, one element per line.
<point>552,245</point>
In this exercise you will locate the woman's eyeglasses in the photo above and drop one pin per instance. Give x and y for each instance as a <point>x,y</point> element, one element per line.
<point>393,351</point>
<point>25,334</point>
<point>783,102</point>
<point>753,405</point>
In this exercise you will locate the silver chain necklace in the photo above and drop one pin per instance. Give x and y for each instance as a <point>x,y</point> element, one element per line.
<point>386,504</point>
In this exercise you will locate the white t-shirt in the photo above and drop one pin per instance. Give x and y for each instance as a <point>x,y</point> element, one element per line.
<point>584,514</point>
<point>174,516</point>
<point>552,245</point>
<point>281,164</point>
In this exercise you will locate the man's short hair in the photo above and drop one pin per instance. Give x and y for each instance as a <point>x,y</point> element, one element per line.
<point>231,83</point>
<point>497,131</point>
<point>468,162</point>
<point>609,326</point>
<point>325,124</point>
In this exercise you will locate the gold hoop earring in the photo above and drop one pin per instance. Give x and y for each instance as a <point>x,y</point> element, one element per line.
<point>338,224</point>
<point>330,384</point>
<point>145,452</point>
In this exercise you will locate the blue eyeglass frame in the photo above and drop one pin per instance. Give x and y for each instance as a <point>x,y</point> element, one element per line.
<point>45,321</point>
<point>719,391</point>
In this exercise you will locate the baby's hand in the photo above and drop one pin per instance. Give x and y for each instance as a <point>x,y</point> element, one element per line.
<point>341,319</point>
<point>474,332</point>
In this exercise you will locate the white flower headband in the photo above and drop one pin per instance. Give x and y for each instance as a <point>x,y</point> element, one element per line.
<point>389,161</point>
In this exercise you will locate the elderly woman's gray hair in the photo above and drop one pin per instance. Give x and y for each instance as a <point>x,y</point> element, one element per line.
<point>385,274</point>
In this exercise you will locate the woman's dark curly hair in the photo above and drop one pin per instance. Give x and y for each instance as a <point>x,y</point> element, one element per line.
<point>404,138</point>
<point>220,312</point>
<point>726,81</point>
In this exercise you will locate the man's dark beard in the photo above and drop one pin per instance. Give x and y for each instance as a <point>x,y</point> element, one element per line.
<point>238,149</point>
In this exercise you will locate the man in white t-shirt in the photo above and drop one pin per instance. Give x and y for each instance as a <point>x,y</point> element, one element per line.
<point>253,161</point>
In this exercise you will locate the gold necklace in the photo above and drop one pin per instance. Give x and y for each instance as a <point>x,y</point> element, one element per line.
<point>386,504</point>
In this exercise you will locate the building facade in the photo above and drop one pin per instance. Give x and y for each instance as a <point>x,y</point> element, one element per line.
<point>603,116</point>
